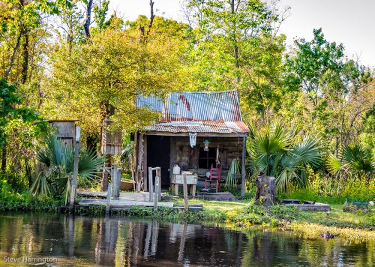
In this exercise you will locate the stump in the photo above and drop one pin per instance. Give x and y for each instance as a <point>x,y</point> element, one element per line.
<point>266,190</point>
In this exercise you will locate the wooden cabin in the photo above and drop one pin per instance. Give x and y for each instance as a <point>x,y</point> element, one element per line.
<point>213,119</point>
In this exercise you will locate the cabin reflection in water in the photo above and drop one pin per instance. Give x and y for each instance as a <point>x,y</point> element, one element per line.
<point>125,241</point>
<point>147,242</point>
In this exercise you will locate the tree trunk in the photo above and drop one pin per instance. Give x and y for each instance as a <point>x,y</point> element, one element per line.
<point>13,57</point>
<point>25,63</point>
<point>235,44</point>
<point>87,24</point>
<point>4,156</point>
<point>266,190</point>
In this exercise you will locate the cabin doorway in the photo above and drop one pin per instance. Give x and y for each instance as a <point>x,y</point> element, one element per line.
<point>158,155</point>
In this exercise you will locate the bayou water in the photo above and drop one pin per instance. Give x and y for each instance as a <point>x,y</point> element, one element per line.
<point>62,240</point>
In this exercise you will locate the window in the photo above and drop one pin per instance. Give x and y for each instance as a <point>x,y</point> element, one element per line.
<point>207,158</point>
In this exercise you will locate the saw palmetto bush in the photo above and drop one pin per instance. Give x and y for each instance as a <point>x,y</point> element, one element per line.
<point>354,162</point>
<point>56,168</point>
<point>283,155</point>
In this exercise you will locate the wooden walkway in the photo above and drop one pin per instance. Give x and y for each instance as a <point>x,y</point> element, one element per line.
<point>133,196</point>
<point>127,200</point>
<point>125,204</point>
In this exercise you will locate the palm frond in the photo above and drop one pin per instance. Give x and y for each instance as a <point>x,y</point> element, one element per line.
<point>40,186</point>
<point>308,152</point>
<point>89,164</point>
<point>359,159</point>
<point>234,169</point>
<point>59,159</point>
<point>333,164</point>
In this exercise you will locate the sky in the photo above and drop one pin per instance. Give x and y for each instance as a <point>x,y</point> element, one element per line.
<point>350,22</point>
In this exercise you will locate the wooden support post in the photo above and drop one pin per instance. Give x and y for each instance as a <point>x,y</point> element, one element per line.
<point>158,177</point>
<point>186,205</point>
<point>145,181</point>
<point>140,166</point>
<point>119,175</point>
<point>182,244</point>
<point>116,180</point>
<point>135,162</point>
<point>71,224</point>
<point>107,163</point>
<point>156,193</point>
<point>155,234</point>
<point>109,196</point>
<point>150,184</point>
<point>243,168</point>
<point>73,188</point>
<point>175,184</point>
<point>148,238</point>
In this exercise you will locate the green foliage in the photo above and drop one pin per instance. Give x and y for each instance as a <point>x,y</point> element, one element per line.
<point>355,161</point>
<point>9,99</point>
<point>57,161</point>
<point>235,45</point>
<point>360,190</point>
<point>334,189</point>
<point>40,186</point>
<point>100,13</point>
<point>234,170</point>
<point>278,153</point>
<point>334,89</point>
<point>114,68</point>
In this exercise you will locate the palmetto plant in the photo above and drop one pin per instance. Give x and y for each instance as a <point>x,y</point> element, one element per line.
<point>278,153</point>
<point>234,169</point>
<point>353,162</point>
<point>56,170</point>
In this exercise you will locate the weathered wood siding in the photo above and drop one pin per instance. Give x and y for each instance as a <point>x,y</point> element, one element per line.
<point>65,131</point>
<point>187,157</point>
<point>111,143</point>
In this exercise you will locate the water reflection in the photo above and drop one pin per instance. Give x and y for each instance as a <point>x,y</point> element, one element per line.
<point>85,241</point>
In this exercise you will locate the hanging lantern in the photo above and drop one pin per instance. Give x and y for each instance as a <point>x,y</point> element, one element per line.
<point>206,143</point>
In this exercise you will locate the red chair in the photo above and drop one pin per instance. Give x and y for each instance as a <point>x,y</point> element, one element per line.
<point>215,177</point>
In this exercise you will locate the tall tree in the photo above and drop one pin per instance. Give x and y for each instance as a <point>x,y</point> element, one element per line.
<point>334,87</point>
<point>236,46</point>
<point>114,69</point>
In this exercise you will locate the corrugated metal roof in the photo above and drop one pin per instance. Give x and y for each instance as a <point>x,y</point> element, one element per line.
<point>211,112</point>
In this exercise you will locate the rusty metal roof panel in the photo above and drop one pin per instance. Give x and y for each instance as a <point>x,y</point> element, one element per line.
<point>216,112</point>
<point>201,127</point>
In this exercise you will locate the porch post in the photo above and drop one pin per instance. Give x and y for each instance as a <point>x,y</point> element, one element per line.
<point>243,167</point>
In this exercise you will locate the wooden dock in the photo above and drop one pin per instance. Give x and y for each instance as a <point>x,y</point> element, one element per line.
<point>125,204</point>
<point>127,200</point>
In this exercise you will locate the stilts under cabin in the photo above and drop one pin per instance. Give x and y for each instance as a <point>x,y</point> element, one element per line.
<point>197,132</point>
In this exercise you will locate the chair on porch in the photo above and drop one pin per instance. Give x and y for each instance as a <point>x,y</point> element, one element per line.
<point>215,177</point>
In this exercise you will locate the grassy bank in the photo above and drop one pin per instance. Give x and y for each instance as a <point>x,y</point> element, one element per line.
<point>352,226</point>
<point>27,206</point>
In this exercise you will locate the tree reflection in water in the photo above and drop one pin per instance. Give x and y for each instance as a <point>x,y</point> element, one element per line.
<point>124,241</point>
